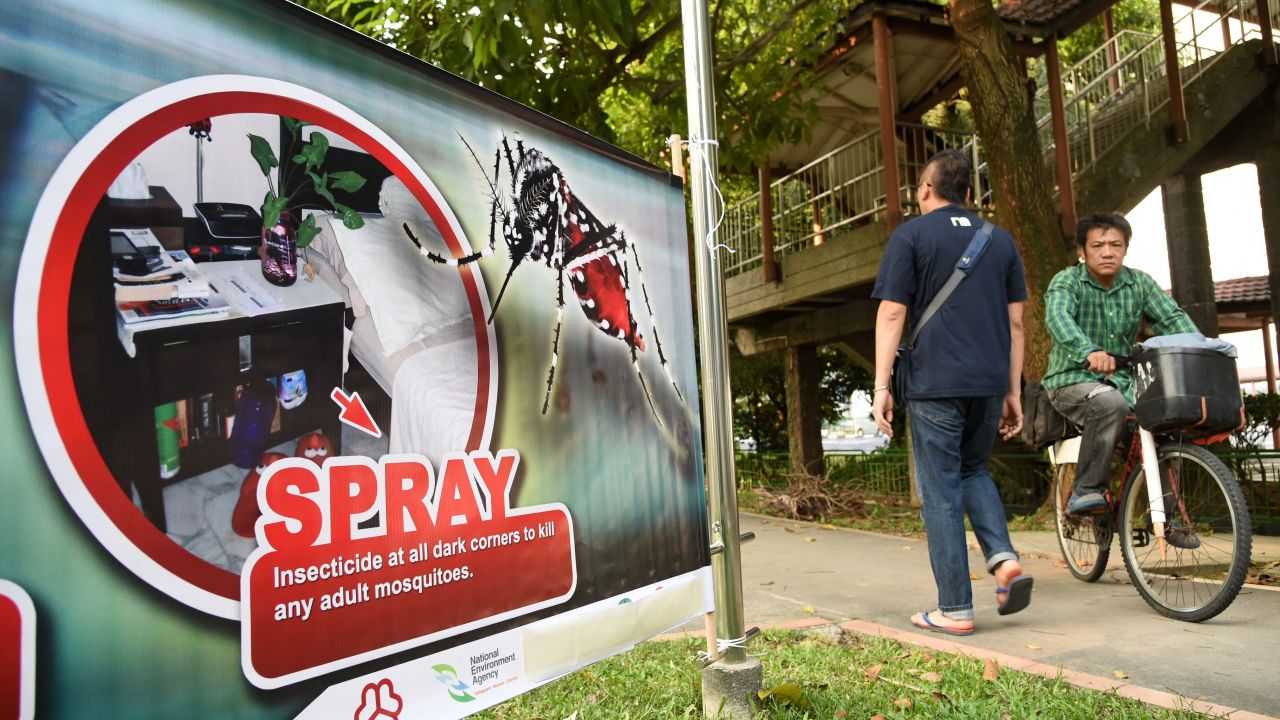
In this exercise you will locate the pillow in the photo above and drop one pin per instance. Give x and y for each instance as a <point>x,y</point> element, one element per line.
<point>408,296</point>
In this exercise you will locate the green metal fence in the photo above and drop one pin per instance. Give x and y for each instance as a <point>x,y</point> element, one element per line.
<point>1022,478</point>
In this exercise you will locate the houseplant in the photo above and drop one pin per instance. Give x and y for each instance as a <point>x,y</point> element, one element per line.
<point>282,233</point>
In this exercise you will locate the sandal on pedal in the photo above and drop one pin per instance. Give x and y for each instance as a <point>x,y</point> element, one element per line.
<point>1016,597</point>
<point>1090,502</point>
<point>927,624</point>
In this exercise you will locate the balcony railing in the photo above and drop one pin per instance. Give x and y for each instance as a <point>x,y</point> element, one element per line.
<point>839,192</point>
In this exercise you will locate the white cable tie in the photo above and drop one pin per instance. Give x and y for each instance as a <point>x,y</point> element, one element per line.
<point>712,246</point>
<point>722,644</point>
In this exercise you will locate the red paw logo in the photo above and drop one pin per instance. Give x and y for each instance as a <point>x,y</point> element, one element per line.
<point>379,700</point>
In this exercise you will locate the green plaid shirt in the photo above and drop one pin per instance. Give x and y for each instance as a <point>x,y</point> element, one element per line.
<point>1082,317</point>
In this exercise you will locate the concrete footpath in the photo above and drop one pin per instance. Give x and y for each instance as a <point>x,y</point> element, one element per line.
<point>796,571</point>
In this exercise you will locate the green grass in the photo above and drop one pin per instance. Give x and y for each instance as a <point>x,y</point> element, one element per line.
<point>836,676</point>
<point>1042,519</point>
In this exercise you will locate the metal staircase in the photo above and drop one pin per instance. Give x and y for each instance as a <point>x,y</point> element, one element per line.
<point>1119,86</point>
<point>1108,95</point>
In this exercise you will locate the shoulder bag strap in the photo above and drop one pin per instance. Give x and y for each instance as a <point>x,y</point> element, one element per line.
<point>970,257</point>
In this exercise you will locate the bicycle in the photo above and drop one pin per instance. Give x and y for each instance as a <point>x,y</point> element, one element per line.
<point>1186,540</point>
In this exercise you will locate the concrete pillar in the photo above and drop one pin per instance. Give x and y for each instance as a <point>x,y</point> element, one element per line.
<point>804,415</point>
<point>729,689</point>
<point>1188,239</point>
<point>1268,164</point>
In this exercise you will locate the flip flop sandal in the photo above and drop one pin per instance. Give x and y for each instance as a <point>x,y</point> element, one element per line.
<point>1017,595</point>
<point>931,626</point>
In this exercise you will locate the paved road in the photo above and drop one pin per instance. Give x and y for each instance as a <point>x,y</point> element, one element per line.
<point>1097,628</point>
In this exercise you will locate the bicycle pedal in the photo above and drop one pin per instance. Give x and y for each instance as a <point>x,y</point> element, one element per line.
<point>1182,539</point>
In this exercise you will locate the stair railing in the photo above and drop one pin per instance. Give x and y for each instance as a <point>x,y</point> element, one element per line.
<point>840,191</point>
<point>1103,101</point>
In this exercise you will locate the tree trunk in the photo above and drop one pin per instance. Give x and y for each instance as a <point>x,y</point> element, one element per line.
<point>1023,188</point>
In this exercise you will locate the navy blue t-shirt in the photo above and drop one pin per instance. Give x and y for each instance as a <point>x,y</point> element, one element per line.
<point>963,350</point>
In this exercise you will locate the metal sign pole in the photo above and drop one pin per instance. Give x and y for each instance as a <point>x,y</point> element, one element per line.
<point>716,408</point>
<point>676,144</point>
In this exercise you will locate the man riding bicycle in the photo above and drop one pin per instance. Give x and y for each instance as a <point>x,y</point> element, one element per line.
<point>1093,311</point>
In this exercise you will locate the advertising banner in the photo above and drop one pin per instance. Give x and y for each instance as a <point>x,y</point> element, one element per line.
<point>339,387</point>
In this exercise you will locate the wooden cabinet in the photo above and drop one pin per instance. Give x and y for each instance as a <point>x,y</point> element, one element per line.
<point>202,364</point>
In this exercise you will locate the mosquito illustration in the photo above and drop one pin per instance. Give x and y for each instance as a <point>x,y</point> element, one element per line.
<point>545,221</point>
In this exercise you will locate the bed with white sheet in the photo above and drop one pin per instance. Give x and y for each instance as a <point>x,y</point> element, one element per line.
<point>413,331</point>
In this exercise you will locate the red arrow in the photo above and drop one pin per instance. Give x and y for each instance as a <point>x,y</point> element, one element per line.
<point>354,413</point>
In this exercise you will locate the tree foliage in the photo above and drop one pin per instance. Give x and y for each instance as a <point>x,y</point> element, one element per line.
<point>1140,15</point>
<point>616,69</point>
<point>760,397</point>
<point>1261,416</point>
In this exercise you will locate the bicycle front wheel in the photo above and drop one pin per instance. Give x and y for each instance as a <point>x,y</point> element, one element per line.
<point>1198,570</point>
<point>1085,539</point>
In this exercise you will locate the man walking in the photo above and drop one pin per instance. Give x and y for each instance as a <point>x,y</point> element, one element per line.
<point>963,386</point>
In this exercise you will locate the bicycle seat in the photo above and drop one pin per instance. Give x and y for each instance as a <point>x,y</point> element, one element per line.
<point>1066,451</point>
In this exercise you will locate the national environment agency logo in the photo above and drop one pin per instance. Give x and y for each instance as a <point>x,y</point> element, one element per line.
<point>447,676</point>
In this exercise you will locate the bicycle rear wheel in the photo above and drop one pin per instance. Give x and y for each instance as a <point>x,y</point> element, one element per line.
<point>1202,565</point>
<point>1085,539</point>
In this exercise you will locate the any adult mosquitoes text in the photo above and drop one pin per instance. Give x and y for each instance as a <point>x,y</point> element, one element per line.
<point>544,220</point>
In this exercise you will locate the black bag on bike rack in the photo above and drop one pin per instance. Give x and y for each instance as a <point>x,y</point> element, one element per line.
<point>1195,391</point>
<point>1042,424</point>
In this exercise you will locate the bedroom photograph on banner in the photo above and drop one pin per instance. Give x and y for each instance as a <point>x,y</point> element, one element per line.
<point>335,377</point>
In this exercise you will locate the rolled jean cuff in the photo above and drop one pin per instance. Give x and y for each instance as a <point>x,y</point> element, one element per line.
<point>958,613</point>
<point>998,558</point>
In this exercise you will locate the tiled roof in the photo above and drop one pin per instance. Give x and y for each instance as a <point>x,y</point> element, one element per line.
<point>1036,12</point>
<point>1243,290</point>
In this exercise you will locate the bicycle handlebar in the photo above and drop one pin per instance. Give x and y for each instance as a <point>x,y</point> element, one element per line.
<point>1122,361</point>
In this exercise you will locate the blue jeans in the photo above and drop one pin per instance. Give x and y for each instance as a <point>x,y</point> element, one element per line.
<point>951,440</point>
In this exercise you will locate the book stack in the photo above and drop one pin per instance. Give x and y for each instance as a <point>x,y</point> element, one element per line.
<point>144,270</point>
<point>154,313</point>
<point>169,289</point>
